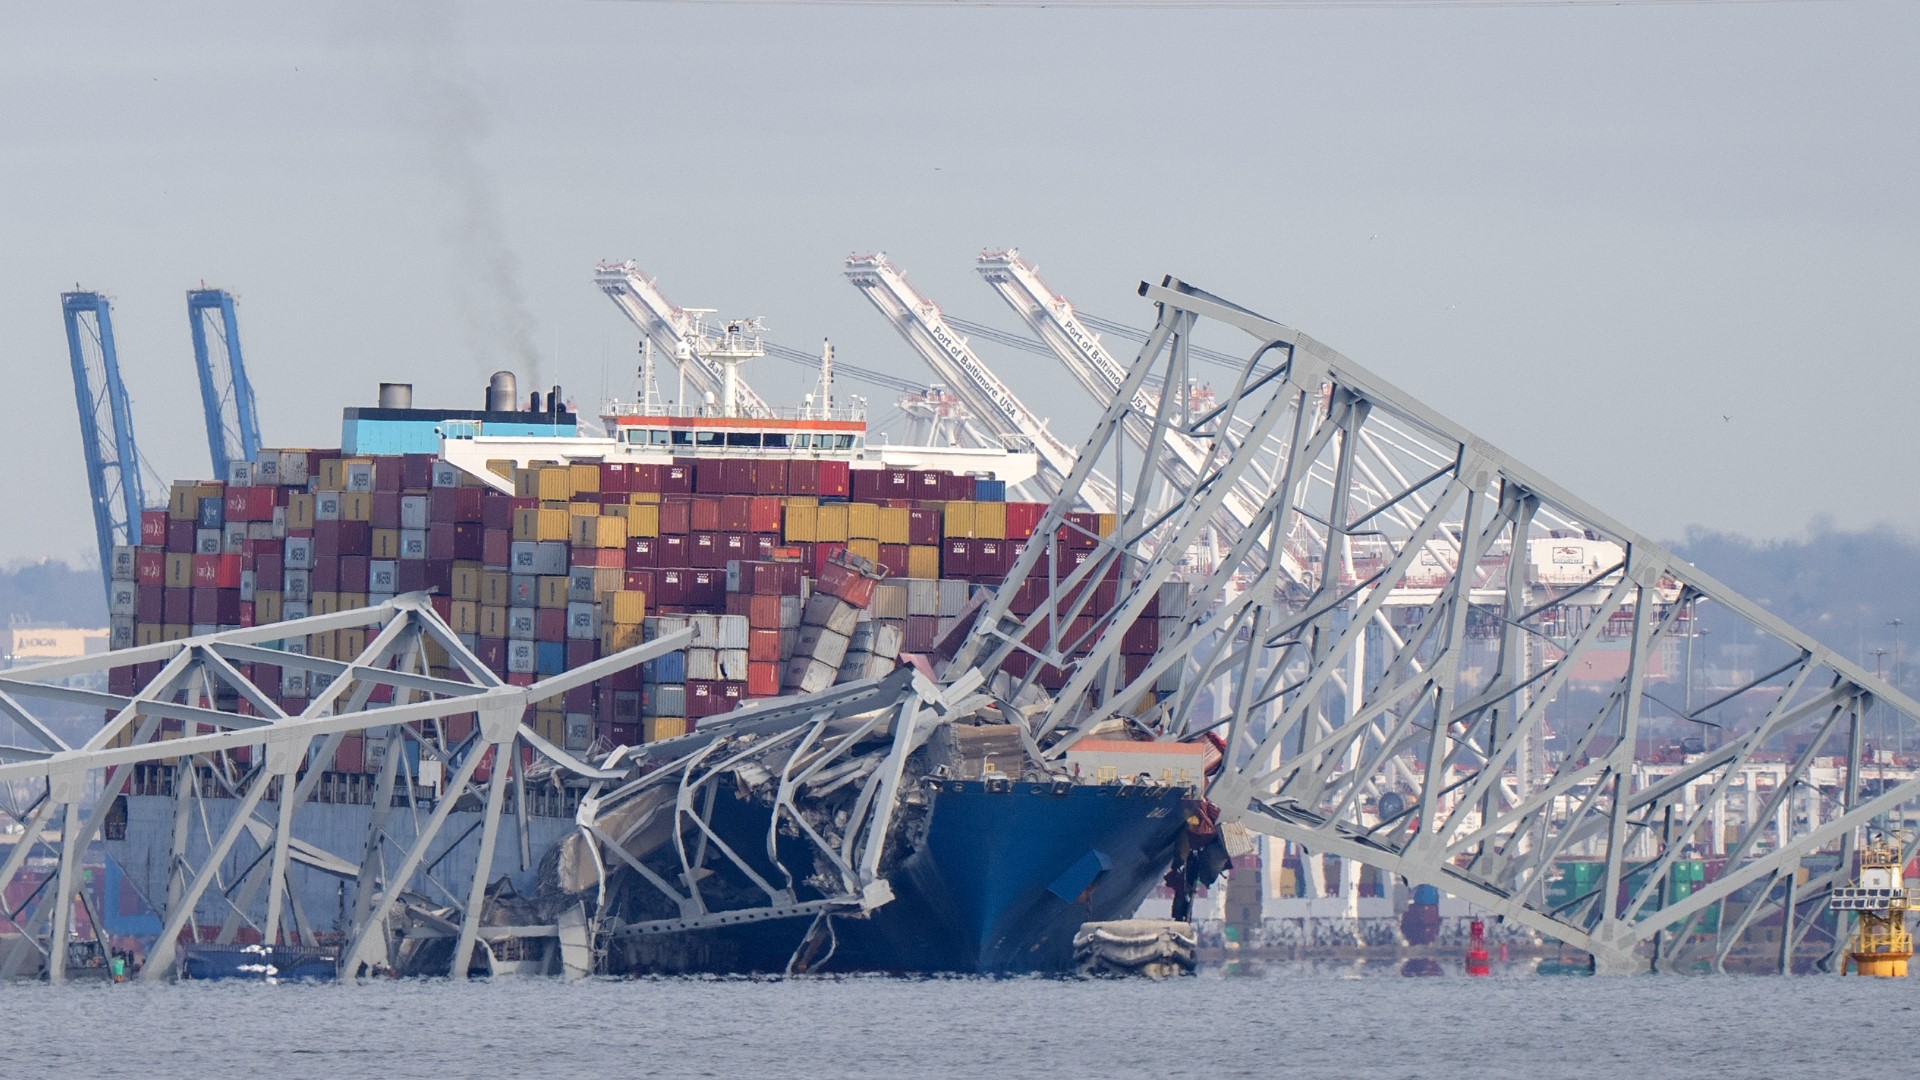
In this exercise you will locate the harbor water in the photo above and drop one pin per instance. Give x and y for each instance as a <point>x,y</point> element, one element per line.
<point>1291,1020</point>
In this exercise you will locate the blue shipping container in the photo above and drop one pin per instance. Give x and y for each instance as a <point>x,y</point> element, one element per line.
<point>213,513</point>
<point>550,657</point>
<point>989,491</point>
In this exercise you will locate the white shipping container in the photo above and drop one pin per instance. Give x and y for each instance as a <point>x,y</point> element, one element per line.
<point>359,476</point>
<point>233,536</point>
<point>665,699</point>
<point>123,564</point>
<point>888,640</point>
<point>523,590</point>
<point>296,586</point>
<point>293,468</point>
<point>923,596</point>
<point>579,731</point>
<point>521,657</point>
<point>733,664</point>
<point>383,576</point>
<point>823,645</point>
<point>657,626</point>
<point>889,600</point>
<point>294,609</point>
<point>706,634</point>
<point>733,633</point>
<point>413,544</point>
<point>327,505</point>
<point>120,632</point>
<point>445,475</point>
<point>832,613</point>
<point>207,541</point>
<point>375,599</point>
<point>703,665</point>
<point>293,683</point>
<point>811,676</point>
<point>550,558</point>
<point>953,598</point>
<point>413,511</point>
<point>580,585</point>
<point>267,530</point>
<point>521,556</point>
<point>583,622</point>
<point>246,585</point>
<point>792,608</point>
<point>240,473</point>
<point>266,471</point>
<point>520,623</point>
<point>299,553</point>
<point>203,629</point>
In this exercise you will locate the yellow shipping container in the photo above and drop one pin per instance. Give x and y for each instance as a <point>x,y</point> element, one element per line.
<point>923,561</point>
<point>322,646</point>
<point>894,524</point>
<point>617,636</point>
<point>299,510</point>
<point>464,617</point>
<point>174,632</point>
<point>526,524</point>
<point>958,521</point>
<point>267,606</point>
<point>626,606</point>
<point>586,479</point>
<point>552,525</point>
<point>863,521</point>
<point>182,503</point>
<point>356,506</point>
<point>832,526</point>
<point>582,509</point>
<point>664,727</point>
<point>802,523</point>
<point>802,500</point>
<point>333,475</point>
<point>324,603</point>
<point>386,543</point>
<point>466,584</point>
<point>179,571</point>
<point>643,498</point>
<point>350,643</point>
<point>608,580</point>
<point>553,592</point>
<point>555,482</point>
<point>1107,524</point>
<point>599,531</point>
<point>504,469</point>
<point>643,519</point>
<point>493,621</point>
<point>990,520</point>
<point>495,586</point>
<point>866,549</point>
<point>149,633</point>
<point>351,600</point>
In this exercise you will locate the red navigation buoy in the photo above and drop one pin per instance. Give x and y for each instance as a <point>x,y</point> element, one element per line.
<point>1477,962</point>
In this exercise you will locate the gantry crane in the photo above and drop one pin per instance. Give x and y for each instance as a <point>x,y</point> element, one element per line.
<point>226,395</point>
<point>676,332</point>
<point>106,425</point>
<point>991,401</point>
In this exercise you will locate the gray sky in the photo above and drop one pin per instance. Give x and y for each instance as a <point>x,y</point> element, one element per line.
<point>1588,234</point>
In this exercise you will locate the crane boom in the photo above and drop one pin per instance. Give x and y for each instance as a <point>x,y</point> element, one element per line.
<point>1053,321</point>
<point>106,425</point>
<point>992,402</point>
<point>675,331</point>
<point>226,394</point>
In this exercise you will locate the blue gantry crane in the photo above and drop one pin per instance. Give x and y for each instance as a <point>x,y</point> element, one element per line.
<point>106,425</point>
<point>233,429</point>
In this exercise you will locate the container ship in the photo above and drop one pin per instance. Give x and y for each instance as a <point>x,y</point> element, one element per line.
<point>800,557</point>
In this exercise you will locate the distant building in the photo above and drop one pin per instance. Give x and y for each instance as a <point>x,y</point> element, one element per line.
<point>21,645</point>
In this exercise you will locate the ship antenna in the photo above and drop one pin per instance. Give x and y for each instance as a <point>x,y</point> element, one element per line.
<point>826,376</point>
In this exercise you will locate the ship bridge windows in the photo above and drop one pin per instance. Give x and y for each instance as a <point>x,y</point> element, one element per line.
<point>744,438</point>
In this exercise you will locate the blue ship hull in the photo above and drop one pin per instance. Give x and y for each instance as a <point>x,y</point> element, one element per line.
<point>998,885</point>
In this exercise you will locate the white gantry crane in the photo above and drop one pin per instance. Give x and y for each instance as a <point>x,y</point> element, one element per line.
<point>991,401</point>
<point>679,333</point>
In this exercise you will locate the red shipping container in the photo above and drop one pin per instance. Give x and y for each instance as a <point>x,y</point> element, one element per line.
<point>929,484</point>
<point>709,476</point>
<point>386,510</point>
<point>703,549</point>
<point>673,585</point>
<point>673,551</point>
<point>854,588</point>
<point>442,606</point>
<point>641,551</point>
<point>1081,531</point>
<point>216,606</point>
<point>703,698</point>
<point>803,477</point>
<point>956,559</point>
<point>344,537</point>
<point>764,645</point>
<point>677,478</point>
<point>643,477</point>
<point>737,546</point>
<point>150,603</point>
<point>960,488</point>
<point>216,571</point>
<point>153,528</point>
<point>493,653</point>
<point>739,603</point>
<point>676,515</point>
<point>923,527</point>
<point>455,506</point>
<point>326,573</point>
<point>989,560</point>
<point>496,510</point>
<point>740,473</point>
<point>763,545</point>
<point>176,605</point>
<point>763,678</point>
<point>496,545</point>
<point>449,540</point>
<point>641,581</point>
<point>550,624</point>
<point>736,514</point>
<point>582,651</point>
<point>733,693</point>
<point>707,588</point>
<point>614,478</point>
<point>180,536</point>
<point>707,513</point>
<point>416,472</point>
<point>353,573</point>
<point>150,567</point>
<point>834,482</point>
<point>763,514</point>
<point>410,575</point>
<point>350,756</point>
<point>1023,518</point>
<point>867,484</point>
<point>922,632</point>
<point>822,556</point>
<point>770,477</point>
<point>1143,637</point>
<point>386,473</point>
<point>763,611</point>
<point>894,558</point>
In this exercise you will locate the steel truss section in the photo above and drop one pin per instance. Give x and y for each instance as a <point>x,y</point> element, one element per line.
<point>206,728</point>
<point>1455,632</point>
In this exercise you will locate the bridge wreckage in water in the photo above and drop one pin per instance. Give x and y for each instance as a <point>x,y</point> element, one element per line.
<point>1372,628</point>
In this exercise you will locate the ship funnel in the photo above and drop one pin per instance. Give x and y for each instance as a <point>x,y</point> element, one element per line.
<point>554,399</point>
<point>503,393</point>
<point>396,395</point>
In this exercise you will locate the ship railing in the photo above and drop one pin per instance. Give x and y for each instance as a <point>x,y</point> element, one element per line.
<point>460,429</point>
<point>670,412</point>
